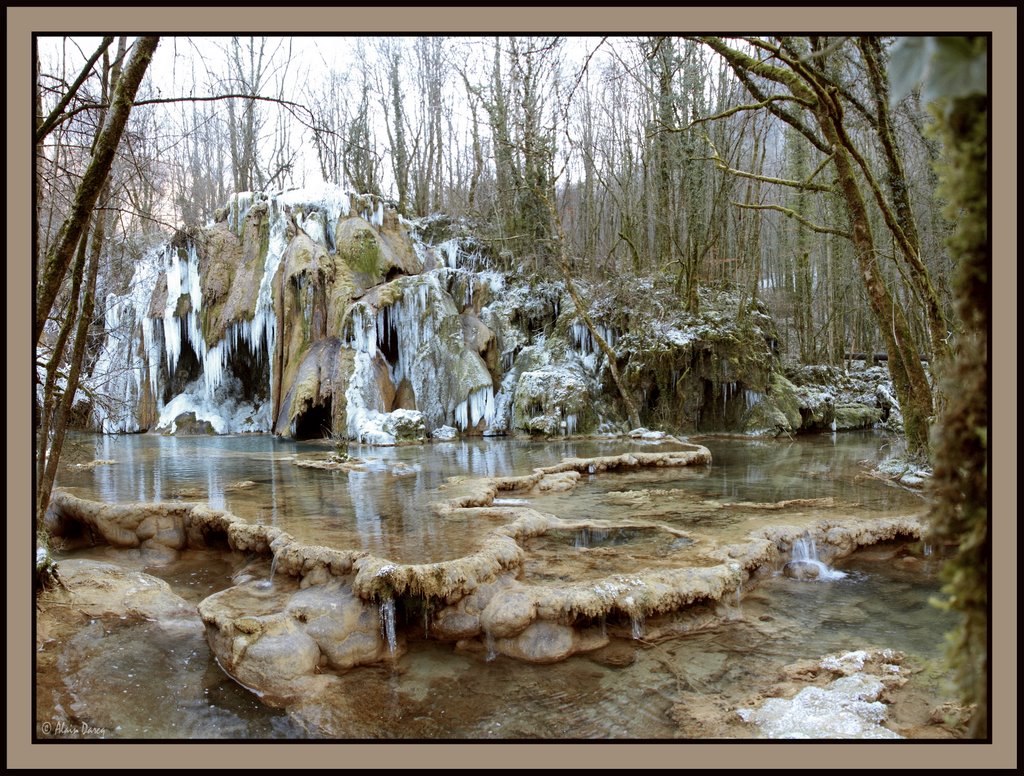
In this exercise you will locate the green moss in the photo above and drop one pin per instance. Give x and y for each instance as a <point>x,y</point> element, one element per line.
<point>854,416</point>
<point>362,254</point>
<point>184,306</point>
<point>783,394</point>
<point>960,484</point>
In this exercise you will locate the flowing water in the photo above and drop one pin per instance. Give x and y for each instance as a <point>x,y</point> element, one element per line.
<point>142,680</point>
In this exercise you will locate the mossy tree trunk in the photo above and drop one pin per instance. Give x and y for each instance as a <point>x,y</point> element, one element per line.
<point>960,485</point>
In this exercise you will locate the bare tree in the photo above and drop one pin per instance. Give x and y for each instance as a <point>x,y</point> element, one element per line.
<point>72,239</point>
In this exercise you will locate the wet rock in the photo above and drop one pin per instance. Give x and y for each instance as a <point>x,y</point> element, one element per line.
<point>475,333</point>
<point>345,628</point>
<point>186,424</point>
<point>550,396</point>
<point>775,412</point>
<point>405,426</point>
<point>542,642</point>
<point>802,569</point>
<point>274,656</point>
<point>558,482</point>
<point>462,619</point>
<point>509,612</point>
<point>273,640</point>
<point>856,416</point>
<point>99,589</point>
<point>616,654</point>
<point>444,434</point>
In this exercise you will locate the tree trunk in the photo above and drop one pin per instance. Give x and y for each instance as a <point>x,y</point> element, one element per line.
<point>960,513</point>
<point>909,241</point>
<point>60,422</point>
<point>59,257</point>
<point>908,375</point>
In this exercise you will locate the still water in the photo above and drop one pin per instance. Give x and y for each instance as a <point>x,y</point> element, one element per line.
<point>145,680</point>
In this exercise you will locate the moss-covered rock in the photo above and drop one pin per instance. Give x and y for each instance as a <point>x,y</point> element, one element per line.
<point>856,416</point>
<point>776,412</point>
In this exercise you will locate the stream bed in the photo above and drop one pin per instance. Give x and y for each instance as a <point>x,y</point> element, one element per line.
<point>156,680</point>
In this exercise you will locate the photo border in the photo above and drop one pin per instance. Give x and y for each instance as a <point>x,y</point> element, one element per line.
<point>1000,22</point>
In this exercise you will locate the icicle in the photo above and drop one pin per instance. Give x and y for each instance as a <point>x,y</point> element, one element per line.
<point>378,217</point>
<point>492,651</point>
<point>479,405</point>
<point>387,624</point>
<point>639,626</point>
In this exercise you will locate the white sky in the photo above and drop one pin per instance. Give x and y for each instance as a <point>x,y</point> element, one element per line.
<point>187,65</point>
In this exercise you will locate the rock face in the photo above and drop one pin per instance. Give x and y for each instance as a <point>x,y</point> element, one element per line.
<point>320,313</point>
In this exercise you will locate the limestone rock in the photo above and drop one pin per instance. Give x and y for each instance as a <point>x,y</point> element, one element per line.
<point>100,589</point>
<point>552,400</point>
<point>345,628</point>
<point>509,612</point>
<point>549,642</point>
<point>801,569</point>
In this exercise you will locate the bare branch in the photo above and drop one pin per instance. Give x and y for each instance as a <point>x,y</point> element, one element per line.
<point>793,214</point>
<point>55,117</point>
<point>722,165</point>
<point>732,111</point>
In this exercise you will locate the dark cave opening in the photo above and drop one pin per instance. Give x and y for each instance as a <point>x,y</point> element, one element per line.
<point>315,422</point>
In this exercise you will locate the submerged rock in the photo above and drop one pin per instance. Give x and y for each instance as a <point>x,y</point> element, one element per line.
<point>847,707</point>
<point>98,589</point>
<point>549,642</point>
<point>802,569</point>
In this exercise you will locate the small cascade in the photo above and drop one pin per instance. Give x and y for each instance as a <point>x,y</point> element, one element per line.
<point>805,564</point>
<point>492,649</point>
<point>268,583</point>
<point>639,626</point>
<point>387,624</point>
<point>589,536</point>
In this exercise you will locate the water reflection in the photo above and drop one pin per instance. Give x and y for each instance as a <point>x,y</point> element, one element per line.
<point>384,509</point>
